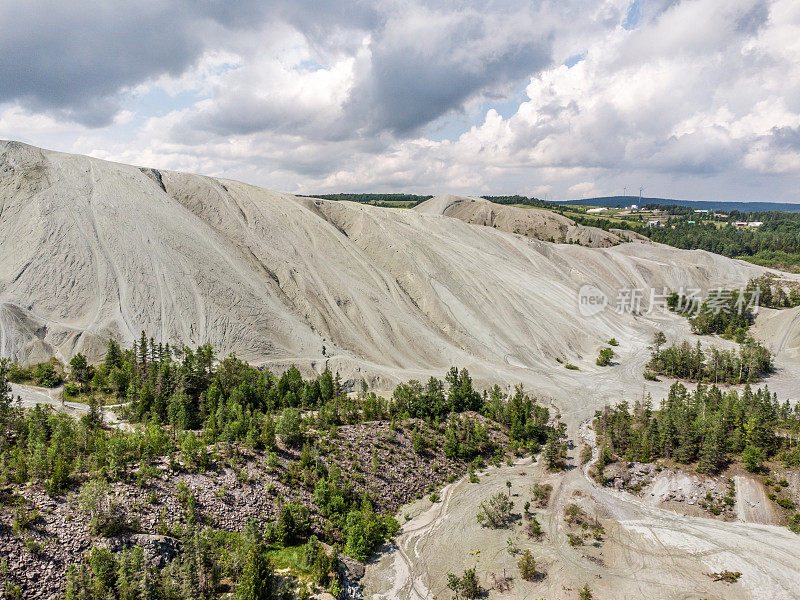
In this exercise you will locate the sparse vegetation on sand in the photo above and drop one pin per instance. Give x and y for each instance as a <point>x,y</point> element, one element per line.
<point>726,576</point>
<point>605,356</point>
<point>692,363</point>
<point>495,512</point>
<point>467,586</point>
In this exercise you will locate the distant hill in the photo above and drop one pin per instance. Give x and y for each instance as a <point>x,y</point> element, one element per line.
<point>748,207</point>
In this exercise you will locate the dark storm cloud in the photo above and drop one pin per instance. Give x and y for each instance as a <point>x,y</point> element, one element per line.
<point>73,58</point>
<point>418,74</point>
<point>408,87</point>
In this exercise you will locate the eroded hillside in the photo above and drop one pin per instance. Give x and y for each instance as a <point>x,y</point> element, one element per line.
<point>92,249</point>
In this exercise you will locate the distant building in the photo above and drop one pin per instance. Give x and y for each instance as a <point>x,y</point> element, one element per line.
<point>701,210</point>
<point>692,222</point>
<point>596,210</point>
<point>755,223</point>
<point>721,215</point>
<point>741,223</point>
<point>655,223</point>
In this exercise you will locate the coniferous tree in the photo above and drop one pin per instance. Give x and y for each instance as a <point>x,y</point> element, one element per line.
<point>552,452</point>
<point>258,575</point>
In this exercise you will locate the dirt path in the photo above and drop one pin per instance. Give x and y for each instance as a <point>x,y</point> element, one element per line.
<point>648,552</point>
<point>32,395</point>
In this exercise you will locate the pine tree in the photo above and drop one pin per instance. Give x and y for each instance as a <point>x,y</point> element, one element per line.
<point>257,575</point>
<point>6,407</point>
<point>659,339</point>
<point>113,355</point>
<point>712,455</point>
<point>552,452</point>
<point>143,351</point>
<point>527,566</point>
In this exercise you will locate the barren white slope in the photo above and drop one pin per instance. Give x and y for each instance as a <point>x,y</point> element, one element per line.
<point>531,222</point>
<point>91,249</point>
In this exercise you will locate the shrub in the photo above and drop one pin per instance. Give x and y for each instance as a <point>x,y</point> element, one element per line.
<point>527,566</point>
<point>418,442</point>
<point>541,494</point>
<point>572,367</point>
<point>586,454</point>
<point>187,499</point>
<point>24,519</point>
<point>13,591</point>
<point>466,586</point>
<point>575,515</point>
<point>365,531</point>
<point>496,511</point>
<point>605,356</point>
<point>46,375</point>
<point>534,528</point>
<point>726,576</point>
<point>612,342</point>
<point>290,427</point>
<point>193,453</point>
<point>105,516</point>
<point>33,546</point>
<point>794,523</point>
<point>434,497</point>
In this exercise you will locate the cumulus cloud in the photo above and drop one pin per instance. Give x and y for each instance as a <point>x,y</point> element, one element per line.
<point>683,107</point>
<point>77,58</point>
<point>690,98</point>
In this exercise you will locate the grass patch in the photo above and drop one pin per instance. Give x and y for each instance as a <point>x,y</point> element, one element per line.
<point>291,557</point>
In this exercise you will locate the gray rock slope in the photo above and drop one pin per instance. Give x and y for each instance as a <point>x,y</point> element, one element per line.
<point>91,249</point>
<point>531,222</point>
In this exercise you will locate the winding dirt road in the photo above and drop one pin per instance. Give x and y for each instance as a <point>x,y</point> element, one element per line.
<point>32,395</point>
<point>647,553</point>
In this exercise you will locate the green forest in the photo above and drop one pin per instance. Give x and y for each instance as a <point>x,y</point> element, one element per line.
<point>774,292</point>
<point>728,313</point>
<point>774,244</point>
<point>195,410</point>
<point>519,200</point>
<point>706,427</point>
<point>693,363</point>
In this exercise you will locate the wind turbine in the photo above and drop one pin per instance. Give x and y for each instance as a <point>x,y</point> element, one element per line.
<point>641,189</point>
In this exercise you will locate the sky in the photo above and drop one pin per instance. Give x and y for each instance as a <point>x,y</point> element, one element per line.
<point>558,99</point>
